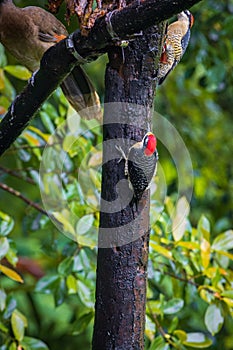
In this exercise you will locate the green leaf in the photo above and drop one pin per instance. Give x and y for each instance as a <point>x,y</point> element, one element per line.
<point>33,344</point>
<point>224,241</point>
<point>18,324</point>
<point>159,343</point>
<point>4,247</point>
<point>85,224</point>
<point>3,60</point>
<point>66,266</point>
<point>60,292</point>
<point>47,284</point>
<point>63,218</point>
<point>84,292</point>
<point>173,306</point>
<point>227,294</point>
<point>81,324</point>
<point>48,124</point>
<point>8,90</point>
<point>203,225</point>
<point>6,224</point>
<point>197,340</point>
<point>10,307</point>
<point>2,299</point>
<point>19,72</point>
<point>213,319</point>
<point>13,346</point>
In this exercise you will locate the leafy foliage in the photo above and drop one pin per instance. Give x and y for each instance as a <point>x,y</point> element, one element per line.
<point>48,281</point>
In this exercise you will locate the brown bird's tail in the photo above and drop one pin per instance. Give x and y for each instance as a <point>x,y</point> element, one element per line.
<point>80,92</point>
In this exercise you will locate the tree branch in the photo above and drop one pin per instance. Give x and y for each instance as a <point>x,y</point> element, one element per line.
<point>19,195</point>
<point>58,61</point>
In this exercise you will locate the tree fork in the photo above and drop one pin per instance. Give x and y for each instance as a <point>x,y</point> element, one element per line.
<point>122,268</point>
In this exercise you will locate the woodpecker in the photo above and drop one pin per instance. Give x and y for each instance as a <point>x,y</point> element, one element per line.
<point>176,43</point>
<point>30,31</point>
<point>140,165</point>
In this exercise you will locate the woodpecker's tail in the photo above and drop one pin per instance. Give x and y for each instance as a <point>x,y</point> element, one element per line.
<point>81,94</point>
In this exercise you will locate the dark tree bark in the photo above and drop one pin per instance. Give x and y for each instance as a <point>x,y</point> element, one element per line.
<point>58,61</point>
<point>124,234</point>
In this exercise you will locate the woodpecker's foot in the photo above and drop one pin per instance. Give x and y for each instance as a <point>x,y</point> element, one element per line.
<point>32,79</point>
<point>123,156</point>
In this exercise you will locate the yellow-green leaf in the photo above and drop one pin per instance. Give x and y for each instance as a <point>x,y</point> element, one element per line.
<point>2,84</point>
<point>71,284</point>
<point>18,324</point>
<point>197,340</point>
<point>39,133</point>
<point>161,250</point>
<point>228,255</point>
<point>63,218</point>
<point>19,72</point>
<point>205,253</point>
<point>11,273</point>
<point>182,335</point>
<point>188,245</point>
<point>228,301</point>
<point>228,293</point>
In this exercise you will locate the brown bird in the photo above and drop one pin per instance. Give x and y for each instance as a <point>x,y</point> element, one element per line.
<point>30,31</point>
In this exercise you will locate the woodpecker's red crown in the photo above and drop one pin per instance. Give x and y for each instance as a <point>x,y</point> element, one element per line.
<point>149,144</point>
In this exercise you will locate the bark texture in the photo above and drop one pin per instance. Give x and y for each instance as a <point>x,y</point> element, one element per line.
<point>124,234</point>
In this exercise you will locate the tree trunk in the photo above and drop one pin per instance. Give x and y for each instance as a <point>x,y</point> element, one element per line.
<point>124,231</point>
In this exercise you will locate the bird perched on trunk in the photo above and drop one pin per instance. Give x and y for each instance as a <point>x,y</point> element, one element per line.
<point>140,165</point>
<point>176,43</point>
<point>30,31</point>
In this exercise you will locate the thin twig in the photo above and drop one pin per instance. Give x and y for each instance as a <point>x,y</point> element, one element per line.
<point>16,174</point>
<point>33,147</point>
<point>166,336</point>
<point>21,196</point>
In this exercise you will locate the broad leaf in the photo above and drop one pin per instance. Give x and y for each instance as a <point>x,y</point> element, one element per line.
<point>213,319</point>
<point>11,273</point>
<point>18,324</point>
<point>223,241</point>
<point>197,340</point>
<point>19,72</point>
<point>173,306</point>
<point>4,246</point>
<point>33,344</point>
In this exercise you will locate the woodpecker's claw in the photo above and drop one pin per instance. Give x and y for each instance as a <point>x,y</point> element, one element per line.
<point>123,156</point>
